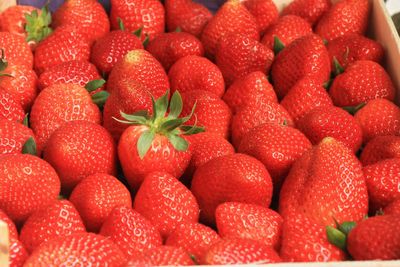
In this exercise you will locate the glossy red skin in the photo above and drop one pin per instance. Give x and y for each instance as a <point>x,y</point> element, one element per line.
<point>250,221</point>
<point>10,108</point>
<point>196,73</point>
<point>32,185</point>
<point>306,56</point>
<point>188,15</point>
<point>161,156</point>
<point>236,177</point>
<point>288,28</point>
<point>348,16</point>
<point>17,253</point>
<point>380,148</point>
<point>310,10</point>
<point>13,19</point>
<point>365,241</point>
<point>149,14</point>
<point>165,202</point>
<point>132,232</point>
<point>96,196</point>
<point>56,220</point>
<point>264,11</point>
<point>326,182</point>
<point>16,50</point>
<point>162,256</point>
<point>13,136</point>
<point>393,208</point>
<point>238,55</point>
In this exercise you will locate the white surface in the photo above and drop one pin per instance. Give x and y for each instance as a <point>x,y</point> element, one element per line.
<point>393,6</point>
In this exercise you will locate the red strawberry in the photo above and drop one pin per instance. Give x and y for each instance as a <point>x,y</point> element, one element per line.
<point>231,18</point>
<point>347,16</point>
<point>240,251</point>
<point>250,221</point>
<point>96,196</point>
<point>162,256</point>
<point>12,230</point>
<point>393,208</point>
<point>13,19</point>
<point>288,28</point>
<point>275,145</point>
<point>17,253</point>
<point>237,55</point>
<point>16,50</point>
<point>376,238</point>
<point>146,14</point>
<point>54,221</point>
<point>28,184</point>
<point>196,73</point>
<point>306,56</point>
<point>83,249</point>
<point>380,148</point>
<point>195,238</point>
<point>304,96</point>
<point>264,11</point>
<point>187,15</point>
<point>133,233</point>
<point>13,136</point>
<point>310,10</point>
<point>10,107</point>
<point>325,183</point>
<point>305,240</point>
<point>379,117</point>
<point>236,177</point>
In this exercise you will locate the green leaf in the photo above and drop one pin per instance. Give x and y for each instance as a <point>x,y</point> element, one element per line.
<point>146,41</point>
<point>26,120</point>
<point>172,124</point>
<point>144,143</point>
<point>138,32</point>
<point>338,68</point>
<point>327,85</point>
<point>175,106</point>
<point>278,45</point>
<point>192,129</point>
<point>38,26</point>
<point>29,147</point>
<point>161,105</point>
<point>142,113</point>
<point>353,109</point>
<point>120,24</point>
<point>178,29</point>
<point>346,227</point>
<point>94,85</point>
<point>178,142</point>
<point>336,237</point>
<point>6,75</point>
<point>134,118</point>
<point>100,98</point>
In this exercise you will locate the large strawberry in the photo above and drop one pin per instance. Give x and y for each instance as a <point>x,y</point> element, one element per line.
<point>16,50</point>
<point>13,137</point>
<point>162,256</point>
<point>10,107</point>
<point>393,208</point>
<point>380,148</point>
<point>310,10</point>
<point>264,11</point>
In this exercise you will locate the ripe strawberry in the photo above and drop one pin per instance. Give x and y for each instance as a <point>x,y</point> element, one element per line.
<point>170,47</point>
<point>306,56</point>
<point>196,73</point>
<point>288,28</point>
<point>231,18</point>
<point>264,11</point>
<point>276,146</point>
<point>236,177</point>
<point>325,183</point>
<point>347,16</point>
<point>362,81</point>
<point>379,117</point>
<point>237,55</point>
<point>333,122</point>
<point>240,251</point>
<point>393,208</point>
<point>13,136</point>
<point>17,253</point>
<point>305,240</point>
<point>87,16</point>
<point>148,15</point>
<point>162,256</point>
<point>380,148</point>
<point>195,238</point>
<point>16,50</point>
<point>28,184</point>
<point>304,96</point>
<point>13,19</point>
<point>56,220</point>
<point>310,10</point>
<point>83,249</point>
<point>187,15</point>
<point>96,196</point>
<point>132,232</point>
<point>10,108</point>
<point>375,238</point>
<point>250,221</point>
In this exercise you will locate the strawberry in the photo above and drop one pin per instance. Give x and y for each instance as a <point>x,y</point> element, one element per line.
<point>196,73</point>
<point>83,249</point>
<point>276,146</point>
<point>365,241</point>
<point>250,221</point>
<point>132,232</point>
<point>187,15</point>
<point>87,16</point>
<point>393,208</point>
<point>17,253</point>
<point>28,184</point>
<point>379,117</point>
<point>195,238</point>
<point>56,220</point>
<point>325,183</point>
<point>10,107</point>
<point>310,10</point>
<point>253,88</point>
<point>170,47</point>
<point>237,55</point>
<point>306,56</point>
<point>240,251</point>
<point>16,50</point>
<point>96,196</point>
<point>347,16</point>
<point>288,28</point>
<point>362,81</point>
<point>148,15</point>
<point>380,148</point>
<point>236,177</point>
<point>232,17</point>
<point>305,240</point>
<point>264,11</point>
<point>13,136</point>
<point>13,19</point>
<point>162,256</point>
<point>165,202</point>
<point>334,122</point>
<point>304,96</point>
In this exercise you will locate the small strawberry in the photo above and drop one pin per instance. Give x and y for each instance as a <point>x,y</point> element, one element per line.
<point>264,11</point>
<point>17,253</point>
<point>10,108</point>
<point>393,208</point>
<point>16,50</point>
<point>380,148</point>
<point>162,256</point>
<point>310,10</point>
<point>96,196</point>
<point>13,137</point>
<point>13,19</point>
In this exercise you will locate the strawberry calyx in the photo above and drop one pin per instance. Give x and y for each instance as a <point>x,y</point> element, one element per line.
<point>38,25</point>
<point>29,147</point>
<point>98,98</point>
<point>3,65</point>
<point>338,236</point>
<point>338,67</point>
<point>354,109</point>
<point>138,33</point>
<point>278,45</point>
